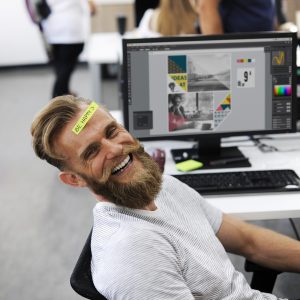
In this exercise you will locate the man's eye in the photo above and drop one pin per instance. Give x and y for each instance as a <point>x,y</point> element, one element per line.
<point>111,132</point>
<point>91,153</point>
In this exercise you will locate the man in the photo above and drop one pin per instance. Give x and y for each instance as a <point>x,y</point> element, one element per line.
<point>225,16</point>
<point>153,236</point>
<point>176,107</point>
<point>66,30</point>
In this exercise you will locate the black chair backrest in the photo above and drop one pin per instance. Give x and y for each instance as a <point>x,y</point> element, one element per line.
<point>263,278</point>
<point>81,278</point>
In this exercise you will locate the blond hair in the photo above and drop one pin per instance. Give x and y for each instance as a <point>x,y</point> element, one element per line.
<point>49,122</point>
<point>176,17</point>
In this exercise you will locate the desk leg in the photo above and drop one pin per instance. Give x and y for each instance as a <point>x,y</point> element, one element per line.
<point>96,82</point>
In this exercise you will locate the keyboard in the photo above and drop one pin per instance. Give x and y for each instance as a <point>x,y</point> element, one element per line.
<point>242,182</point>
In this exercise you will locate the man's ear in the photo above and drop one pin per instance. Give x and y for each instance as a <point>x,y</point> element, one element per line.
<point>72,179</point>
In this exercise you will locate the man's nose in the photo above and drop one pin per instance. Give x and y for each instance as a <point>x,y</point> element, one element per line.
<point>112,149</point>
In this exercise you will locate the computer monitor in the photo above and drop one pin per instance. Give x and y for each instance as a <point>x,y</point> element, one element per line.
<point>208,87</point>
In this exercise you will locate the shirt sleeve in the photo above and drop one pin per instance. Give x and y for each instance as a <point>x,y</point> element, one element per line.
<point>213,214</point>
<point>193,198</point>
<point>141,264</point>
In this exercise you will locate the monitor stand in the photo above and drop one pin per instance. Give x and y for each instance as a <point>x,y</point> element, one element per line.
<point>212,155</point>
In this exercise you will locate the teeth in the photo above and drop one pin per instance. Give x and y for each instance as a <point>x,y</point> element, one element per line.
<point>121,165</point>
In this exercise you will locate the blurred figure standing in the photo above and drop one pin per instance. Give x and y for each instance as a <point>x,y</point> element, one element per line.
<point>224,16</point>
<point>66,30</point>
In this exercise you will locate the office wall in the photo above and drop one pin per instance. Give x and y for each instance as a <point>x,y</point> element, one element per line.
<point>21,42</point>
<point>107,12</point>
<point>20,39</point>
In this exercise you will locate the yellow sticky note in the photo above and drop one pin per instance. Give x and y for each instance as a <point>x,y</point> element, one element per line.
<point>88,113</point>
<point>189,165</point>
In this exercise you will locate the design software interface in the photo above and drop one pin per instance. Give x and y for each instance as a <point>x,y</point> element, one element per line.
<point>189,87</point>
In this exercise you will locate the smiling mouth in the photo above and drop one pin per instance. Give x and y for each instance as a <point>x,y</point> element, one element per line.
<point>120,167</point>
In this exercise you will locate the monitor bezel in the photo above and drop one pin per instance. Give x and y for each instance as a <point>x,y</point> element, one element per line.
<point>188,38</point>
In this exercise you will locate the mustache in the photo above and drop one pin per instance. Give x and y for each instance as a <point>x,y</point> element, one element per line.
<point>135,148</point>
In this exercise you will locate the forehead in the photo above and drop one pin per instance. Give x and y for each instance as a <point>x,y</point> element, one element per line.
<point>68,140</point>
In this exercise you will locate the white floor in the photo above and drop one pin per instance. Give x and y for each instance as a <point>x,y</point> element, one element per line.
<point>44,223</point>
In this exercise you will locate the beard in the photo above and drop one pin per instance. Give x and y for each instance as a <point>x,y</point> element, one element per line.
<point>137,193</point>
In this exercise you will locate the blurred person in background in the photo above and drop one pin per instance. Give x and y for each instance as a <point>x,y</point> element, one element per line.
<point>66,30</point>
<point>169,18</point>
<point>211,17</point>
<point>225,16</point>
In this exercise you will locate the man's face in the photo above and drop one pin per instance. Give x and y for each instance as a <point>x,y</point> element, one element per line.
<point>110,161</point>
<point>178,100</point>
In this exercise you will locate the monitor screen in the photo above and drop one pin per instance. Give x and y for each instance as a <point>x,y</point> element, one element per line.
<point>208,87</point>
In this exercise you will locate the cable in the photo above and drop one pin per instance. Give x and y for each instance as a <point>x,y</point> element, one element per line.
<point>295,229</point>
<point>262,146</point>
<point>268,148</point>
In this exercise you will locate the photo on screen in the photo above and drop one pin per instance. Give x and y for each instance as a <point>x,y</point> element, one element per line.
<point>191,111</point>
<point>208,72</point>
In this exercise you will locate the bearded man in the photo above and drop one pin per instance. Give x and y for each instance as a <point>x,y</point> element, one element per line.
<point>153,236</point>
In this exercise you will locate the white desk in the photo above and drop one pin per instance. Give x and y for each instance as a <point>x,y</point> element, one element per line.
<point>253,206</point>
<point>102,48</point>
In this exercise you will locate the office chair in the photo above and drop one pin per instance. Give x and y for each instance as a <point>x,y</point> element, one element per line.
<point>263,279</point>
<point>81,279</point>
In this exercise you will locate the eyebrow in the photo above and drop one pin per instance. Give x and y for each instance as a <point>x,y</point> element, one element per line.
<point>97,144</point>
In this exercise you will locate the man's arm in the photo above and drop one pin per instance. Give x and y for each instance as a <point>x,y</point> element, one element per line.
<point>260,245</point>
<point>209,17</point>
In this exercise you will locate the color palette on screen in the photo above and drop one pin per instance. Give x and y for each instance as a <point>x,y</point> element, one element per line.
<point>245,60</point>
<point>282,90</point>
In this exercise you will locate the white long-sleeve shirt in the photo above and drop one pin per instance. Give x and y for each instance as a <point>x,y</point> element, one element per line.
<point>68,23</point>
